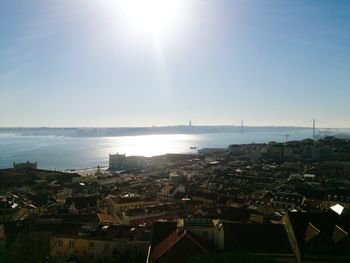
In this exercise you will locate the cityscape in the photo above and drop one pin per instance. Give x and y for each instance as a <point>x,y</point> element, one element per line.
<point>293,197</point>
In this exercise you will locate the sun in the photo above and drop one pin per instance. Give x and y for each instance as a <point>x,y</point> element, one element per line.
<point>153,16</point>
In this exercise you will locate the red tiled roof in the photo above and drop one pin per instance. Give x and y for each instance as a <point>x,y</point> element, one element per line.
<point>135,211</point>
<point>106,218</point>
<point>175,237</point>
<point>125,200</point>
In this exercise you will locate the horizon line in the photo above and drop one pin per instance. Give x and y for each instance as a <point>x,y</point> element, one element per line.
<point>166,126</point>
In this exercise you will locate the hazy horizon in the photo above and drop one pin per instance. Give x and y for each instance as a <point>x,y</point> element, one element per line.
<point>130,63</point>
<point>164,126</point>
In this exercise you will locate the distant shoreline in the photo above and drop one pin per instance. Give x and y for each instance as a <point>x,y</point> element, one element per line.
<point>135,131</point>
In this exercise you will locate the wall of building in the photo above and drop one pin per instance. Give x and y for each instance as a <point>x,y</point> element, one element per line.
<point>94,249</point>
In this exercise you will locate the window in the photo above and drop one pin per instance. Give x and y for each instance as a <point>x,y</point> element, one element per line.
<point>91,244</point>
<point>136,250</point>
<point>205,234</point>
<point>58,242</point>
<point>71,243</point>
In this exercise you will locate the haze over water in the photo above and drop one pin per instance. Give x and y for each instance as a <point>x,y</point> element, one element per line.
<point>61,153</point>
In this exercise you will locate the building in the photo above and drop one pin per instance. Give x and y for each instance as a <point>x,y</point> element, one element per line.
<point>199,237</point>
<point>319,236</point>
<point>269,241</point>
<point>117,204</point>
<point>150,213</point>
<point>2,240</point>
<point>288,200</point>
<point>82,204</point>
<point>172,242</point>
<point>119,162</point>
<point>8,209</point>
<point>24,166</point>
<point>79,237</point>
<point>102,242</point>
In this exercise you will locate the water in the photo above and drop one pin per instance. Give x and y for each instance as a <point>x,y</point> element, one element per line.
<point>82,152</point>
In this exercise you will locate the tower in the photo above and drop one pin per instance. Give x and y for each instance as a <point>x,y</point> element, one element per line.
<point>190,123</point>
<point>287,136</point>
<point>242,129</point>
<point>313,128</point>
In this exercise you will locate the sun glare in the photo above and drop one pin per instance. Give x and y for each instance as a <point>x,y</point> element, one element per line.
<point>153,16</point>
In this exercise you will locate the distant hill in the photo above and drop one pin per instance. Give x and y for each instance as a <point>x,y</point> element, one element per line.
<point>131,131</point>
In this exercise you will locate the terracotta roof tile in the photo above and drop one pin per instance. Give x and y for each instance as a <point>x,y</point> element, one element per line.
<point>179,235</point>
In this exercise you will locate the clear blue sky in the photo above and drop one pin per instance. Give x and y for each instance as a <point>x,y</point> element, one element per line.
<point>81,63</point>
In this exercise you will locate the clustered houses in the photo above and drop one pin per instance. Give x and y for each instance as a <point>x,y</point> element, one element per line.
<point>81,237</point>
<point>117,204</point>
<point>94,242</point>
<point>203,202</point>
<point>300,237</point>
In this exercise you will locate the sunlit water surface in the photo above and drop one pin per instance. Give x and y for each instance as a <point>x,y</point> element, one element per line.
<point>81,152</point>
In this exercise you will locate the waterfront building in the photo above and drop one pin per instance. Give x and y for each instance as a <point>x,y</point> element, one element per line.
<point>24,166</point>
<point>119,162</point>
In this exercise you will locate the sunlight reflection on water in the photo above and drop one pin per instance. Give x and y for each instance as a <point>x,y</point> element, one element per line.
<point>151,145</point>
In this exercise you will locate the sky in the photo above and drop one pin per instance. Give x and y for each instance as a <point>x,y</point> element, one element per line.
<point>103,63</point>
